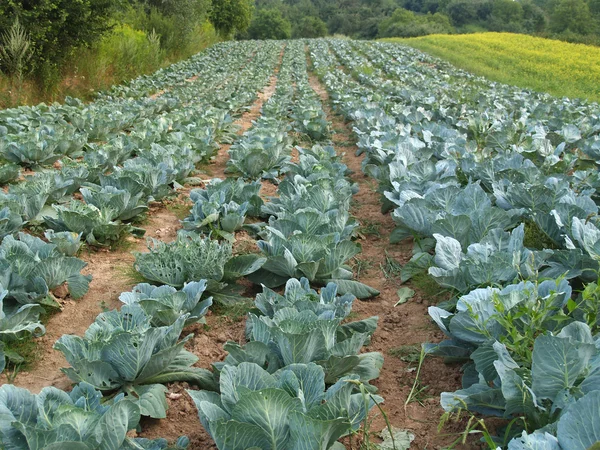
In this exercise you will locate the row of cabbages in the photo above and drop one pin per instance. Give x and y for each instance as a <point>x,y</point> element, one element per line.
<point>295,382</point>
<point>113,185</point>
<point>498,189</point>
<point>126,356</point>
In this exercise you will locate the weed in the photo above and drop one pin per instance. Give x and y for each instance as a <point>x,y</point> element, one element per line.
<point>391,268</point>
<point>366,429</point>
<point>21,355</point>
<point>429,288</point>
<point>128,272</point>
<point>361,265</point>
<point>406,353</point>
<point>474,426</point>
<point>536,238</point>
<point>125,244</point>
<point>179,210</point>
<point>417,392</point>
<point>236,311</point>
<point>370,228</point>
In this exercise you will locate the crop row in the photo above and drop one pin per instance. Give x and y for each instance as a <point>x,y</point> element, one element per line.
<point>497,188</point>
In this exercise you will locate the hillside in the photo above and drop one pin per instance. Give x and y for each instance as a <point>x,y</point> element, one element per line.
<point>544,65</point>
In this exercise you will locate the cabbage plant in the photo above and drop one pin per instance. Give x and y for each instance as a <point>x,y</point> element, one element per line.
<point>9,172</point>
<point>123,352</point>
<point>165,304</point>
<point>80,419</point>
<point>563,371</point>
<point>214,215</point>
<point>67,242</point>
<point>30,268</point>
<point>119,204</point>
<point>313,246</point>
<point>289,409</point>
<point>192,257</point>
<point>235,190</point>
<point>300,337</point>
<point>17,322</point>
<point>98,226</point>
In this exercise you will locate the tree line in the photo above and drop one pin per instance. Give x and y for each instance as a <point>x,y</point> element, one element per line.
<point>571,20</point>
<point>42,39</point>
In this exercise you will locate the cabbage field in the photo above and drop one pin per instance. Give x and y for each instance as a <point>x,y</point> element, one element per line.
<point>412,248</point>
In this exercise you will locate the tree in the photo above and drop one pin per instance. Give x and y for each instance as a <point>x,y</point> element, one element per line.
<point>573,16</point>
<point>309,27</point>
<point>56,27</point>
<point>229,16</point>
<point>269,24</point>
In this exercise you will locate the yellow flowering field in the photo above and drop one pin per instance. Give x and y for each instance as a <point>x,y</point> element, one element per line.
<point>559,68</point>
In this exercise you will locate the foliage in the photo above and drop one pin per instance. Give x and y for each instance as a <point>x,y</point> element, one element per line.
<point>78,419</point>
<point>309,27</point>
<point>301,327</point>
<point>53,36</point>
<point>572,15</point>
<point>405,23</point>
<point>98,226</point>
<point>123,352</point>
<point>192,257</point>
<point>269,24</point>
<point>17,323</point>
<point>15,50</point>
<point>30,268</point>
<point>68,243</point>
<point>165,304</point>
<point>229,16</point>
<point>221,207</point>
<point>288,409</point>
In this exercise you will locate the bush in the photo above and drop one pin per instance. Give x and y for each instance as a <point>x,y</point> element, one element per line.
<point>269,24</point>
<point>129,52</point>
<point>404,23</point>
<point>309,27</point>
<point>57,27</point>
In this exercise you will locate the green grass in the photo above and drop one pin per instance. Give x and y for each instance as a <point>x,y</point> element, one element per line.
<point>406,353</point>
<point>236,312</point>
<point>544,65</point>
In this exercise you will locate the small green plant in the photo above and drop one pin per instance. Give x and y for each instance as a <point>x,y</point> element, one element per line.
<point>370,228</point>
<point>474,426</point>
<point>235,312</point>
<point>390,268</point>
<point>407,353</point>
<point>417,390</point>
<point>15,50</point>
<point>366,428</point>
<point>361,265</point>
<point>429,288</point>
